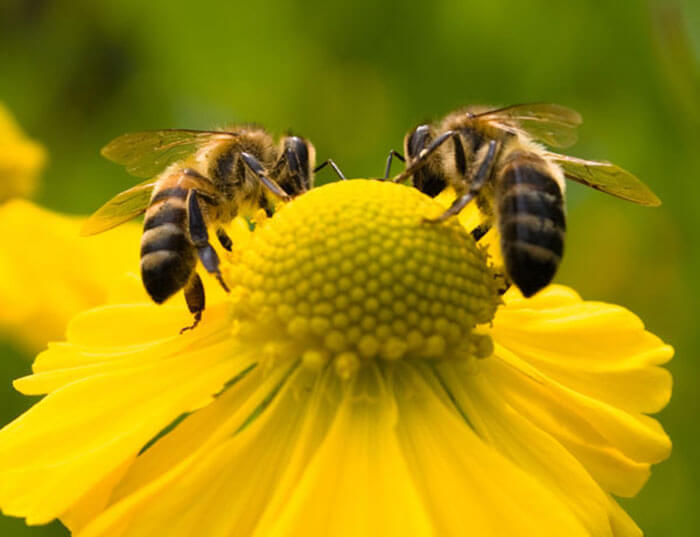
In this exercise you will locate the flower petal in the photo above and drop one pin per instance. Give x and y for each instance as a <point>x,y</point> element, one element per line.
<point>535,451</point>
<point>615,446</point>
<point>468,486</point>
<point>36,307</point>
<point>21,159</point>
<point>95,348</point>
<point>357,482</point>
<point>100,416</point>
<point>212,475</point>
<point>600,350</point>
<point>585,372</point>
<point>95,499</point>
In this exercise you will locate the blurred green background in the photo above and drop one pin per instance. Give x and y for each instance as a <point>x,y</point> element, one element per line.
<point>353,77</point>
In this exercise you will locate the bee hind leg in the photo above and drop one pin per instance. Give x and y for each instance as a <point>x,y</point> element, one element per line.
<point>199,236</point>
<point>194,296</point>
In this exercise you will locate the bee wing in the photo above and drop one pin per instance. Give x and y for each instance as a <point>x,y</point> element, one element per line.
<point>121,208</point>
<point>552,124</point>
<point>145,154</point>
<point>606,177</point>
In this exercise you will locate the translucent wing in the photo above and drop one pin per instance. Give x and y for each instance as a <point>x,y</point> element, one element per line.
<point>147,153</point>
<point>549,123</point>
<point>606,177</point>
<point>121,208</point>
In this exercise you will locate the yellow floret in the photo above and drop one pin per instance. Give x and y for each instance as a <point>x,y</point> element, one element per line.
<point>351,271</point>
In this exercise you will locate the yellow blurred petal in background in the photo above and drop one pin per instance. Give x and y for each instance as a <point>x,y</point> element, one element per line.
<point>48,273</point>
<point>21,159</point>
<point>363,378</point>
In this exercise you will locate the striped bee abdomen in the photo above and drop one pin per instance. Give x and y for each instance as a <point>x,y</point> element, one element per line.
<point>531,222</point>
<point>167,256</point>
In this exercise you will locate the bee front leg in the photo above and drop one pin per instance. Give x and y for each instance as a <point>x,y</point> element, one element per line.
<point>259,171</point>
<point>393,153</point>
<point>333,165</point>
<point>199,236</point>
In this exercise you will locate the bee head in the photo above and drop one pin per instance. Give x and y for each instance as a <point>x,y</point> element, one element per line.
<point>301,157</point>
<point>416,140</point>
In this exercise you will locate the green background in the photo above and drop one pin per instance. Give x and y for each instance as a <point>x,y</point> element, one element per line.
<point>353,77</point>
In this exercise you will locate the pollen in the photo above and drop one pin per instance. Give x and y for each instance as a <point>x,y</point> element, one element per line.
<point>351,272</point>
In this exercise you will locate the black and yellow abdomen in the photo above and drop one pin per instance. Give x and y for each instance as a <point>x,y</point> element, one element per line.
<point>168,258</point>
<point>531,221</point>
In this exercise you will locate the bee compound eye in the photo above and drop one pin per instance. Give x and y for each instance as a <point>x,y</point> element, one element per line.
<point>418,140</point>
<point>298,148</point>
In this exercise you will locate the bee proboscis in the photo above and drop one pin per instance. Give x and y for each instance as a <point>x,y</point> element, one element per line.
<point>496,156</point>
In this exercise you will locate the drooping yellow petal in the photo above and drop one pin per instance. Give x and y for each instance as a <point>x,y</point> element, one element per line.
<point>95,421</point>
<point>545,354</point>
<point>95,499</point>
<point>533,450</point>
<point>21,159</point>
<point>212,475</point>
<point>48,273</point>
<point>357,482</point>
<point>616,447</point>
<point>95,348</point>
<point>600,350</point>
<point>469,487</point>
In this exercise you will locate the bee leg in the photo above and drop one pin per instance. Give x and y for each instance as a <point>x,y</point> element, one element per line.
<point>266,205</point>
<point>224,239</point>
<point>392,154</point>
<point>333,165</point>
<point>482,174</point>
<point>479,231</point>
<point>503,282</point>
<point>423,156</point>
<point>194,296</point>
<point>258,170</point>
<point>200,238</point>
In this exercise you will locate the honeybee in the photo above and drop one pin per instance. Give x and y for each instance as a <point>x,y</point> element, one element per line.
<point>197,180</point>
<point>493,155</point>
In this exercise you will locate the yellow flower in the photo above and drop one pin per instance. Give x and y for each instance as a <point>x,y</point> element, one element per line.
<point>48,274</point>
<point>21,159</point>
<point>363,378</point>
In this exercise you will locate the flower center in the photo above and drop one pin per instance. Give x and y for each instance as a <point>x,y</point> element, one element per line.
<point>350,272</point>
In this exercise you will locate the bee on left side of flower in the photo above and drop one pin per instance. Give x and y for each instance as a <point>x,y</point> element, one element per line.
<point>197,180</point>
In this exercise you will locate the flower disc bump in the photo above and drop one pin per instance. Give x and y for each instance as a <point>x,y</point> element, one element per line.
<point>351,272</point>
